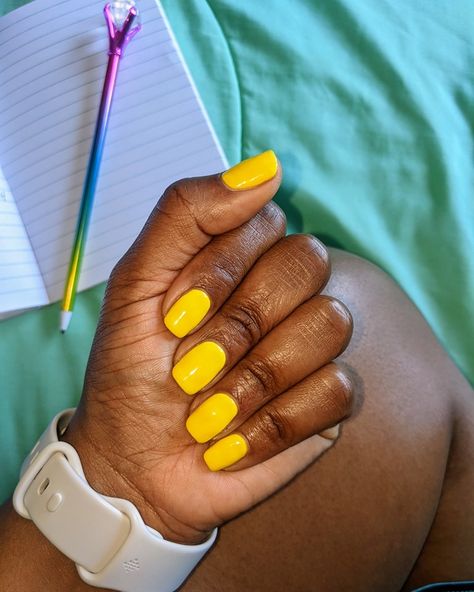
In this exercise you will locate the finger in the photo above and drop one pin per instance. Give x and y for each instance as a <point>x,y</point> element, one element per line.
<point>310,338</point>
<point>212,275</point>
<point>320,401</point>
<point>186,218</point>
<point>284,277</point>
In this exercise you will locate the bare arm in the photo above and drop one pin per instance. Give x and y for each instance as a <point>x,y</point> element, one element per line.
<point>213,312</point>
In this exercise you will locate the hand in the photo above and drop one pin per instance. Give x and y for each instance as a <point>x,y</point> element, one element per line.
<point>212,263</point>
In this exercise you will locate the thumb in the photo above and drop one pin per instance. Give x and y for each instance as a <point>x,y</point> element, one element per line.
<point>186,218</point>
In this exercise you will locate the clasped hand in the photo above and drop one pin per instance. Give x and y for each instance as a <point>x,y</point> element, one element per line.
<point>210,383</point>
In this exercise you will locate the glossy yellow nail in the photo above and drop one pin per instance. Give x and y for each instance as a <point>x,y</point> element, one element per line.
<point>211,417</point>
<point>252,172</point>
<point>225,452</point>
<point>187,312</point>
<point>199,366</point>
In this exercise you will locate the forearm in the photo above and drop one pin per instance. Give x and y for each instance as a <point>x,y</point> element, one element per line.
<point>29,562</point>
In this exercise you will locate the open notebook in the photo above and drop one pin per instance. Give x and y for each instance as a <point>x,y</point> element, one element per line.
<point>53,55</point>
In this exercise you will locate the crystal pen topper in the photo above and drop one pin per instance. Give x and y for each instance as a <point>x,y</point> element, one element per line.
<point>123,24</point>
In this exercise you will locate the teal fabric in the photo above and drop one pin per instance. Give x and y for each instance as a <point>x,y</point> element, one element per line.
<point>370,107</point>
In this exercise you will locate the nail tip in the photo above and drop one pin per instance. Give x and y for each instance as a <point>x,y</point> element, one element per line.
<point>173,330</point>
<point>251,172</point>
<point>188,372</point>
<point>210,465</point>
<point>195,434</point>
<point>211,417</point>
<point>177,378</point>
<point>187,312</point>
<point>226,452</point>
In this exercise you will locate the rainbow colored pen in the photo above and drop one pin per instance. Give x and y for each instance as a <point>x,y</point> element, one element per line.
<point>121,17</point>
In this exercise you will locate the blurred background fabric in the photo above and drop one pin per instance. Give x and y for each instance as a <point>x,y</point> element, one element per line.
<point>370,108</point>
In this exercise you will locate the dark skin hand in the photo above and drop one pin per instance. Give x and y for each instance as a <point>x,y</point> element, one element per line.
<point>278,337</point>
<point>203,235</point>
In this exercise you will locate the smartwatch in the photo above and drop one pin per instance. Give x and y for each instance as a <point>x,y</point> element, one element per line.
<point>105,537</point>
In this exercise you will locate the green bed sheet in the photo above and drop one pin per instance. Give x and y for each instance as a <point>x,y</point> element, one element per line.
<point>370,106</point>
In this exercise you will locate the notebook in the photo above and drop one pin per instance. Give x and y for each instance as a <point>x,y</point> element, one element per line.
<point>53,55</point>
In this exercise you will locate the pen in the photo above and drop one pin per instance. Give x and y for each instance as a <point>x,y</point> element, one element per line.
<point>120,15</point>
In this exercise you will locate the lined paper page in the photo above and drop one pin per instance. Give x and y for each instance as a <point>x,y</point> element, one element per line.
<point>53,56</point>
<point>21,284</point>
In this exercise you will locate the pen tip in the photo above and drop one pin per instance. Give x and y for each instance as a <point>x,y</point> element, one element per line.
<point>65,320</point>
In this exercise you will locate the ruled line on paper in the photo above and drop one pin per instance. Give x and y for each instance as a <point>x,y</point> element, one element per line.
<point>117,218</point>
<point>14,15</point>
<point>114,142</point>
<point>16,298</point>
<point>86,58</point>
<point>17,275</point>
<point>92,81</point>
<point>88,9</point>
<point>91,49</point>
<point>13,262</point>
<point>28,186</point>
<point>117,180</point>
<point>21,283</point>
<point>5,225</point>
<point>81,128</point>
<point>108,190</point>
<point>87,114</point>
<point>85,132</point>
<point>92,251</point>
<point>92,271</point>
<point>158,133</point>
<point>103,213</point>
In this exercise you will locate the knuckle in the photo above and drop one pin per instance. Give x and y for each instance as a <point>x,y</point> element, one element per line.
<point>341,391</point>
<point>247,319</point>
<point>225,271</point>
<point>118,288</point>
<point>179,192</point>
<point>273,218</point>
<point>338,318</point>
<point>275,426</point>
<point>177,203</point>
<point>119,274</point>
<point>310,246</point>
<point>126,277</point>
<point>183,204</point>
<point>260,377</point>
<point>308,256</point>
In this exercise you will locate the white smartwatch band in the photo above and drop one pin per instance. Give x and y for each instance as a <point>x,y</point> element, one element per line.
<point>106,537</point>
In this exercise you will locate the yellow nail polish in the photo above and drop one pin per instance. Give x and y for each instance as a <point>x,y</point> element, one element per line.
<point>199,366</point>
<point>211,417</point>
<point>225,452</point>
<point>252,172</point>
<point>187,312</point>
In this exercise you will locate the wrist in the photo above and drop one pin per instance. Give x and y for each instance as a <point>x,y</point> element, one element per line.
<point>105,471</point>
<point>104,535</point>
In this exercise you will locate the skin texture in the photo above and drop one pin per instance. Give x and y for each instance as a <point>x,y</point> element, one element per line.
<point>379,508</point>
<point>132,410</point>
<point>388,507</point>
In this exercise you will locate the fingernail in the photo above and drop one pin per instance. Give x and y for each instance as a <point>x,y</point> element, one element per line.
<point>225,452</point>
<point>199,366</point>
<point>252,172</point>
<point>331,433</point>
<point>211,417</point>
<point>187,312</point>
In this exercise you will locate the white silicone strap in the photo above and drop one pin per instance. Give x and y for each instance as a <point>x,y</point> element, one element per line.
<point>105,537</point>
<point>53,501</point>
